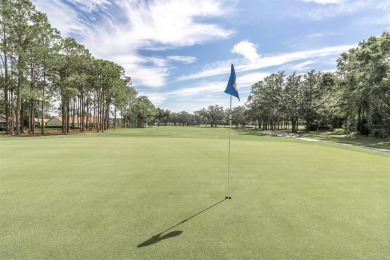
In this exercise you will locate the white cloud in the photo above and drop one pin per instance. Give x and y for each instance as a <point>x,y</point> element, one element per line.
<point>380,17</point>
<point>270,61</point>
<point>248,50</point>
<point>384,5</point>
<point>163,24</point>
<point>324,1</point>
<point>144,71</point>
<point>381,20</point>
<point>206,88</point>
<point>91,5</point>
<point>156,98</point>
<point>183,59</point>
<point>208,72</point>
<point>330,9</point>
<point>130,26</point>
<point>384,20</point>
<point>301,66</point>
<point>320,35</point>
<point>65,18</point>
<point>248,80</point>
<point>281,59</point>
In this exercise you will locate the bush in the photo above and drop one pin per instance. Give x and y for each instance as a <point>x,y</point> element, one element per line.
<point>316,126</point>
<point>53,127</point>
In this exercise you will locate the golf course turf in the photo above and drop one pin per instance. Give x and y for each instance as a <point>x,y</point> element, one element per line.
<point>158,193</point>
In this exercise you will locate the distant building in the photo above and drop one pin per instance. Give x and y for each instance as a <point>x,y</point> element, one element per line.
<point>2,123</point>
<point>74,122</point>
<point>55,121</point>
<point>38,121</point>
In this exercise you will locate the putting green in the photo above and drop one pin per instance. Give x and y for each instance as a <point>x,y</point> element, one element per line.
<point>158,193</point>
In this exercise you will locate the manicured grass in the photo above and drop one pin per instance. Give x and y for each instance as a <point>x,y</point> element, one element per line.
<point>158,194</point>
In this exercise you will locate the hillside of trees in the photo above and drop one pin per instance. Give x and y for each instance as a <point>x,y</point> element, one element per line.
<point>39,69</point>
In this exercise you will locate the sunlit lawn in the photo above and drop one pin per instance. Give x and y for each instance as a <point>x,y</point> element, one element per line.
<point>158,193</point>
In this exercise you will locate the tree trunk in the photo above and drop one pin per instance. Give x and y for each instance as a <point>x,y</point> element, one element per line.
<point>95,106</point>
<point>13,116</point>
<point>107,115</point>
<point>115,119</point>
<point>371,129</point>
<point>294,124</point>
<point>68,117</point>
<point>359,121</point>
<point>23,115</point>
<point>6,93</point>
<point>81,105</point>
<point>42,105</point>
<point>73,114</point>
<point>32,103</point>
<point>18,97</point>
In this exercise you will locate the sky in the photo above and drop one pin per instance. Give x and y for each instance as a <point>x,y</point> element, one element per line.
<point>178,52</point>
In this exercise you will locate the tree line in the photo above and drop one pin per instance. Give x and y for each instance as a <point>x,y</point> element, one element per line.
<point>212,116</point>
<point>38,67</point>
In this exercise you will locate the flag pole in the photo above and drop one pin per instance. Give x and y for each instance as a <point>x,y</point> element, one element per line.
<point>231,89</point>
<point>230,128</point>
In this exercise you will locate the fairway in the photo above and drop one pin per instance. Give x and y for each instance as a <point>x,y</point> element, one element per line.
<point>158,193</point>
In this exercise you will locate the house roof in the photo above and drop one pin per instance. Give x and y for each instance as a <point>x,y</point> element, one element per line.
<point>2,119</point>
<point>91,119</point>
<point>40,120</point>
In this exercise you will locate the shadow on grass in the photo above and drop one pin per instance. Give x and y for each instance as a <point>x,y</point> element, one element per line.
<point>159,237</point>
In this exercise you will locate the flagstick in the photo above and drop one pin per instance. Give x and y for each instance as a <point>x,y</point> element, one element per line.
<point>230,127</point>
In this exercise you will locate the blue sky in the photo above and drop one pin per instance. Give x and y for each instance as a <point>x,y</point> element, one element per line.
<point>178,52</point>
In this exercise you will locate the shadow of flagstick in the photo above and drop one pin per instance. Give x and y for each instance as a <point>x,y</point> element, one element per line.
<point>157,238</point>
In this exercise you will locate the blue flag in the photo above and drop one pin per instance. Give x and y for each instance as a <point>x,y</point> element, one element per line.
<point>231,88</point>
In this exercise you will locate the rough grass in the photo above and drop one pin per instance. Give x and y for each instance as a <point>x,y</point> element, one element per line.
<point>159,194</point>
<point>335,137</point>
<point>358,140</point>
